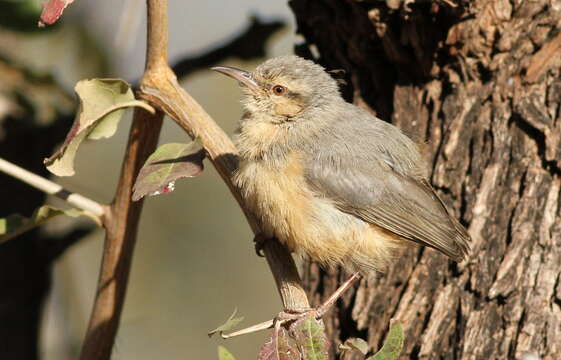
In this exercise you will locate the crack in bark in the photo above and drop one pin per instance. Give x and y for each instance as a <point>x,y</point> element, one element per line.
<point>495,172</point>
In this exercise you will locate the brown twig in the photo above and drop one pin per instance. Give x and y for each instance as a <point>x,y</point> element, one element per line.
<point>122,220</point>
<point>284,318</point>
<point>121,228</point>
<point>159,86</point>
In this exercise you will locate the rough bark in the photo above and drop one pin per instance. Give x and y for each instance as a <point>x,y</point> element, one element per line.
<point>479,83</point>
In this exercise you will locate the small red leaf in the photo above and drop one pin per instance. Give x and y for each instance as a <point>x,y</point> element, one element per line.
<point>279,347</point>
<point>52,11</point>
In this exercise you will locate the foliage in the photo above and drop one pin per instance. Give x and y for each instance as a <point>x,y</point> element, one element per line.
<point>224,354</point>
<point>167,164</point>
<point>102,103</point>
<point>20,15</point>
<point>279,347</point>
<point>15,224</point>
<point>52,11</point>
<point>355,344</point>
<point>392,345</point>
<point>309,334</point>
<point>229,324</point>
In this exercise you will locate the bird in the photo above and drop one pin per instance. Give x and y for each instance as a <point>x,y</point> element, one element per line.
<point>330,180</point>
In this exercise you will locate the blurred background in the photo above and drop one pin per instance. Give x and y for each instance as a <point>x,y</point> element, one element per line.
<point>194,262</point>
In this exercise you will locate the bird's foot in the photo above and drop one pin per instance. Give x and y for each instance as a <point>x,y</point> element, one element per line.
<point>289,316</point>
<point>259,243</point>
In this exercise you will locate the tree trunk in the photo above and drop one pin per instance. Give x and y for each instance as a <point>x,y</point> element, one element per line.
<point>479,83</point>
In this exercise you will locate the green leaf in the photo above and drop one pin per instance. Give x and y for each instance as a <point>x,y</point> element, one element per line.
<point>167,164</point>
<point>309,334</point>
<point>230,323</point>
<point>19,15</point>
<point>102,103</point>
<point>355,344</point>
<point>15,225</point>
<point>224,354</point>
<point>392,345</point>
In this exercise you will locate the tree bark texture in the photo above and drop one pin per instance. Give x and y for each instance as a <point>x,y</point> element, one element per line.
<point>479,83</point>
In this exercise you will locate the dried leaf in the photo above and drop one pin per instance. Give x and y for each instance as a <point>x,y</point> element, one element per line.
<point>15,225</point>
<point>309,335</point>
<point>102,103</point>
<point>280,348</point>
<point>52,11</point>
<point>392,345</point>
<point>167,164</point>
<point>224,354</point>
<point>230,323</point>
<point>355,344</point>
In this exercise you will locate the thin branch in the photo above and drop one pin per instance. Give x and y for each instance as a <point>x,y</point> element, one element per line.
<point>121,229</point>
<point>52,188</point>
<point>162,90</point>
<point>157,43</point>
<point>336,295</point>
<point>289,317</point>
<point>250,330</point>
<point>166,94</point>
<point>122,222</point>
<point>123,219</point>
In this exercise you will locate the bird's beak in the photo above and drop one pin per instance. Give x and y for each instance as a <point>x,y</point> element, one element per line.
<point>242,76</point>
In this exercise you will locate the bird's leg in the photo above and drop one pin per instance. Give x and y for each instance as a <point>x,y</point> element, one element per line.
<point>289,316</point>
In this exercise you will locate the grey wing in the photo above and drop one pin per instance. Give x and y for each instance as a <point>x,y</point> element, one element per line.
<point>399,203</point>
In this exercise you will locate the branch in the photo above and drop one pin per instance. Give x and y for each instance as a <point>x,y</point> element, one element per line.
<point>122,222</point>
<point>52,188</point>
<point>164,92</point>
<point>121,229</point>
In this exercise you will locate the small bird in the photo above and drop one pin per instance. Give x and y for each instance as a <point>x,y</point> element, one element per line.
<point>330,180</point>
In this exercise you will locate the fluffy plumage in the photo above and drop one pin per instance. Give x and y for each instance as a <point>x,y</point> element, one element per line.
<point>329,179</point>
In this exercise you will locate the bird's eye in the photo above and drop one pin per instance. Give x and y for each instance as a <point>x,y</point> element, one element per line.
<point>279,90</point>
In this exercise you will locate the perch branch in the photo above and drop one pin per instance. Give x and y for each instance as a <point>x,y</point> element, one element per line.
<point>163,91</point>
<point>52,188</point>
<point>318,313</point>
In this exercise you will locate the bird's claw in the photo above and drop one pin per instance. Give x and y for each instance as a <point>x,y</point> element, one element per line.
<point>259,243</point>
<point>291,316</point>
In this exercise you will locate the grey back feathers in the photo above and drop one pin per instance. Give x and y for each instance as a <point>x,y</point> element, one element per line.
<point>375,172</point>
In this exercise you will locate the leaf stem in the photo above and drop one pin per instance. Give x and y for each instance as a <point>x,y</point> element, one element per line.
<point>52,188</point>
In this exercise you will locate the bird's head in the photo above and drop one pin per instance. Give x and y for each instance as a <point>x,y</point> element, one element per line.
<point>284,88</point>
